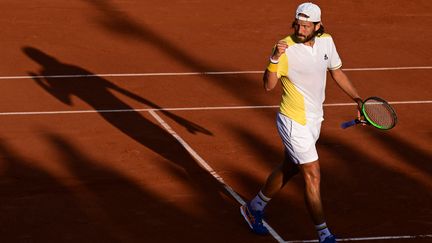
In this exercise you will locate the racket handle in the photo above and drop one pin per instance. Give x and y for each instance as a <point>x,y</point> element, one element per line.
<point>348,124</point>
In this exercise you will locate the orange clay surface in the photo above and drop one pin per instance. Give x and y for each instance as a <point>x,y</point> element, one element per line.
<point>121,177</point>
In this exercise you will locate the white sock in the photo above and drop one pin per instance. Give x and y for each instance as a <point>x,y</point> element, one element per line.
<point>259,202</point>
<point>323,231</point>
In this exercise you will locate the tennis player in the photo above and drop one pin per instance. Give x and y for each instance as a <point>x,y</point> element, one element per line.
<point>300,62</point>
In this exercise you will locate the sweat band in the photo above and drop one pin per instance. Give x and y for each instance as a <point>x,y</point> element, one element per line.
<point>272,67</point>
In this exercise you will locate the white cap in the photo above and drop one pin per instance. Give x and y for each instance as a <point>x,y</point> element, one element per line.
<point>309,9</point>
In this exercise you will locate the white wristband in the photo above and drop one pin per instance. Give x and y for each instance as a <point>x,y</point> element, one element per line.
<point>274,61</point>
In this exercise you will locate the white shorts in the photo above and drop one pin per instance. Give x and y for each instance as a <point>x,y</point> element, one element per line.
<point>299,141</point>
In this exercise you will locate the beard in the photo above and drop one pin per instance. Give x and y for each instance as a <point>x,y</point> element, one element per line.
<point>303,39</point>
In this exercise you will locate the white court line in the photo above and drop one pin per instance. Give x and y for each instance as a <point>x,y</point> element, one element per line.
<point>401,237</point>
<point>209,169</point>
<point>128,75</point>
<point>388,68</point>
<point>27,113</point>
<point>197,73</point>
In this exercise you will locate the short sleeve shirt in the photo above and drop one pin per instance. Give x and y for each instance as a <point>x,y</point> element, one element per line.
<point>302,71</point>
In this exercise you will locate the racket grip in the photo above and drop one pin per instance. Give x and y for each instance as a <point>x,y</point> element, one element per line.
<point>348,124</point>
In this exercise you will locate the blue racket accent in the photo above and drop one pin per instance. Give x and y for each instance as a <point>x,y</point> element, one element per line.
<point>349,123</point>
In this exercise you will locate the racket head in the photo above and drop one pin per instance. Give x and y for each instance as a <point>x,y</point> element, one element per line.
<point>379,113</point>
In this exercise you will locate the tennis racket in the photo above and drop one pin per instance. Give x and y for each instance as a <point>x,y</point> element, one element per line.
<point>377,113</point>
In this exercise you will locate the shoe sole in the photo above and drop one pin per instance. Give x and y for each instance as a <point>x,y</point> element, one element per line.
<point>243,212</point>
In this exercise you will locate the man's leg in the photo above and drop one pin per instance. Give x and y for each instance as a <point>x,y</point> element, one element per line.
<point>312,177</point>
<point>279,177</point>
<point>253,212</point>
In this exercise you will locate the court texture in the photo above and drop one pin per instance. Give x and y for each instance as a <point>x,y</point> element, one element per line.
<point>146,121</point>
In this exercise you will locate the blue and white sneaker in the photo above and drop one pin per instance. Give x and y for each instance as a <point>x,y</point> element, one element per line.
<point>329,239</point>
<point>254,219</point>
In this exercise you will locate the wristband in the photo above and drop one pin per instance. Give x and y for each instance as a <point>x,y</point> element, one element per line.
<point>273,60</point>
<point>272,67</point>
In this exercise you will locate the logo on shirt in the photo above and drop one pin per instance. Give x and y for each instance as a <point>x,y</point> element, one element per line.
<point>325,57</point>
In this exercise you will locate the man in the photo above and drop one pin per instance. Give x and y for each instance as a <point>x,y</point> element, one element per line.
<point>300,62</point>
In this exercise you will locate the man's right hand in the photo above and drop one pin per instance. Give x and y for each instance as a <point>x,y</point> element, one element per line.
<point>281,46</point>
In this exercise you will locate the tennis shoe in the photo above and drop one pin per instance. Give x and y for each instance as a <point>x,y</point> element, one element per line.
<point>329,239</point>
<point>254,219</point>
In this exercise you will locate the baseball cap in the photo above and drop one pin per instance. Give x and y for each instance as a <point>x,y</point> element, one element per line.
<point>309,9</point>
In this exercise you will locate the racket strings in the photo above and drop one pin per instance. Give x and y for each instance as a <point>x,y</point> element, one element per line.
<point>379,113</point>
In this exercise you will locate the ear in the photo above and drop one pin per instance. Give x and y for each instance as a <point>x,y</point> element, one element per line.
<point>317,26</point>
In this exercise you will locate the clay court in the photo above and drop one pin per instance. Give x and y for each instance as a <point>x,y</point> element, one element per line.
<point>146,121</point>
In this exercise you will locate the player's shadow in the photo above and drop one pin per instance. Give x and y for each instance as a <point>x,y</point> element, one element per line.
<point>97,92</point>
<point>94,90</point>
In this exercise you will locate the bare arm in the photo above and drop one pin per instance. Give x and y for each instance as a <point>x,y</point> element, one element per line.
<point>270,80</point>
<point>270,75</point>
<point>345,84</point>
